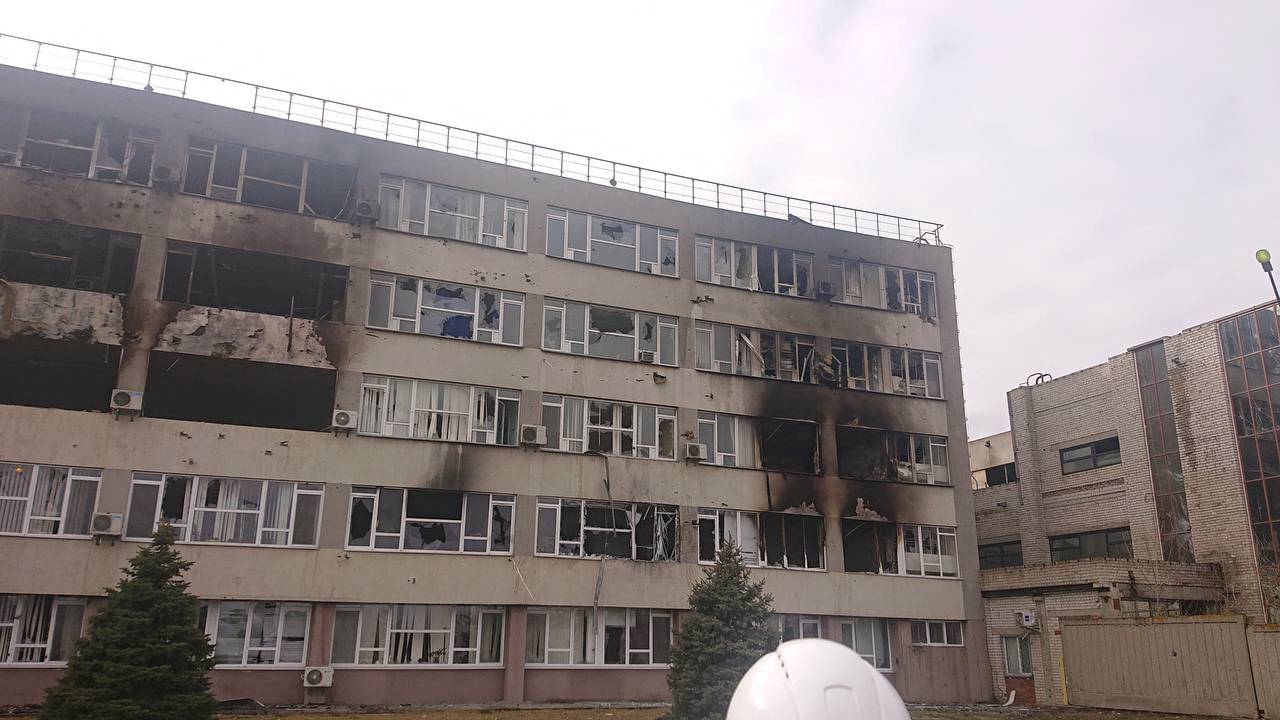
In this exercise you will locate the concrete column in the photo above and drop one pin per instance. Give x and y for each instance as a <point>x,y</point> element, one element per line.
<point>835,545</point>
<point>513,663</point>
<point>138,340</point>
<point>1022,420</point>
<point>319,645</point>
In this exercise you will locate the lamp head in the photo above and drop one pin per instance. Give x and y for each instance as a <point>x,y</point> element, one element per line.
<point>1264,258</point>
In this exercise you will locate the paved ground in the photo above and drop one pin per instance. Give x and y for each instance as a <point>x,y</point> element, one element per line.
<point>978,712</point>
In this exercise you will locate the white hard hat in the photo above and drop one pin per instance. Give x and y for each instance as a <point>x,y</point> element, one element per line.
<point>814,679</point>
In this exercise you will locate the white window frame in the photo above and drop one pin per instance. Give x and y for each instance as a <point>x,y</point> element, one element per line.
<point>869,274</point>
<point>555,509</point>
<point>214,611</point>
<point>930,564</point>
<point>807,626</point>
<point>665,237</point>
<point>184,529</point>
<point>597,620</point>
<point>575,438</point>
<point>705,246</point>
<point>507,303</point>
<point>29,511</point>
<point>747,352</point>
<point>665,341</point>
<point>360,492</point>
<point>934,471</point>
<point>744,437</point>
<point>386,615</point>
<point>241,175</point>
<point>375,409</point>
<point>1018,641</point>
<point>939,633</point>
<point>515,213</point>
<point>879,631</point>
<point>44,631</point>
<point>134,137</point>
<point>727,525</point>
<point>785,562</point>
<point>582,630</point>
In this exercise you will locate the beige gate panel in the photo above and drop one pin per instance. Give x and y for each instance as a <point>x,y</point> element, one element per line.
<point>1264,649</point>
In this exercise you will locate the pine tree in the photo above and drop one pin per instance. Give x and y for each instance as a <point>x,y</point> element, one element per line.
<point>728,629</point>
<point>144,657</point>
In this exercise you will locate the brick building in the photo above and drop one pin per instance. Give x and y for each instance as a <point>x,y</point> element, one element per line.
<point>1147,485</point>
<point>425,401</point>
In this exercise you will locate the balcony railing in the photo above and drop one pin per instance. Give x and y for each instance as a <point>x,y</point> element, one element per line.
<point>83,64</point>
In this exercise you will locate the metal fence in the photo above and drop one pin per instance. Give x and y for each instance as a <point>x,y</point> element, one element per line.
<point>83,64</point>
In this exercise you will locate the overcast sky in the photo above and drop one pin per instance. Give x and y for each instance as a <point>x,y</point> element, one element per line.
<point>1104,170</point>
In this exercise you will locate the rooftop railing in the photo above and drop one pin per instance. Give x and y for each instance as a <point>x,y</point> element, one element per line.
<point>83,64</point>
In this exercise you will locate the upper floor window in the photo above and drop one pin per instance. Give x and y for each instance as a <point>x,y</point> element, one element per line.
<point>866,454</point>
<point>227,171</point>
<point>47,499</point>
<point>88,147</point>
<point>577,424</point>
<point>787,540</point>
<point>1114,543</point>
<point>870,546</point>
<point>452,310</point>
<point>769,443</point>
<point>758,353</point>
<point>388,518</point>
<point>1099,453</point>
<point>587,528</point>
<point>607,332</point>
<point>928,550</point>
<point>427,410</point>
<point>417,635</point>
<point>613,243</point>
<point>447,212</point>
<point>66,256</point>
<point>869,637</point>
<point>888,369</point>
<point>244,632</point>
<point>754,267</point>
<point>1000,555</point>
<point>597,636</point>
<point>253,282</point>
<point>1005,474</point>
<point>862,283</point>
<point>225,510</point>
<point>39,628</point>
<point>937,632</point>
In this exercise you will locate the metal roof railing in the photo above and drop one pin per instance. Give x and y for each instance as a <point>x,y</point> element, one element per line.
<point>83,64</point>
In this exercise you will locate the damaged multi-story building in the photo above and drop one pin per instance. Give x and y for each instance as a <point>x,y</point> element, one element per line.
<point>1144,487</point>
<point>419,400</point>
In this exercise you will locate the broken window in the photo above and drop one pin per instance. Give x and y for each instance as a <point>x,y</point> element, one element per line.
<point>238,392</point>
<point>758,353</point>
<point>729,440</point>
<point>788,445</point>
<point>1114,543</point>
<point>857,282</point>
<point>39,628</point>
<point>613,243</point>
<point>869,546</point>
<point>225,510</point>
<point>433,307</point>
<point>244,632</point>
<point>911,372</point>
<point>998,475</point>
<point>13,124</point>
<point>794,541</point>
<point>584,528</point>
<point>427,410</point>
<point>869,637</point>
<point>430,520</point>
<point>796,627</point>
<point>937,632</point>
<point>71,374</point>
<point>253,282</point>
<point>452,213</point>
<point>928,550</point>
<point>1000,555</point>
<point>717,528</point>
<point>227,171</point>
<point>77,145</point>
<point>68,256</point>
<point>417,635</point>
<point>607,332</point>
<point>1100,453</point>
<point>609,428</point>
<point>47,500</point>
<point>753,267</point>
<point>598,636</point>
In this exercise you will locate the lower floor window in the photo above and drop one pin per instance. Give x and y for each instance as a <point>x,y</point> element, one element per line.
<point>39,628</point>
<point>604,636</point>
<point>869,637</point>
<point>795,627</point>
<point>245,632</point>
<point>1017,655</point>
<point>418,635</point>
<point>936,632</point>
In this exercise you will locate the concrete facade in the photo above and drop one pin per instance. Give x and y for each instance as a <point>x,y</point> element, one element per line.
<point>233,392</point>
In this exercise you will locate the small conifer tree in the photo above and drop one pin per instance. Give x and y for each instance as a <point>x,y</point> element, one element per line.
<point>728,629</point>
<point>144,657</point>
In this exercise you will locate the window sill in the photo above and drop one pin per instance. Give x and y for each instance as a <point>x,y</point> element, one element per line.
<point>896,482</point>
<point>625,270</point>
<point>265,666</point>
<point>79,176</point>
<point>49,664</point>
<point>598,454</point>
<point>605,557</point>
<point>198,543</point>
<point>765,293</point>
<point>437,238</point>
<point>263,207</point>
<point>432,440</point>
<point>42,536</point>
<point>597,666</point>
<point>418,666</point>
<point>655,363</point>
<point>427,552</point>
<point>446,337</point>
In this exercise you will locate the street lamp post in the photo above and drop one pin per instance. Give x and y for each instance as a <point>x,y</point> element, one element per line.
<point>1264,258</point>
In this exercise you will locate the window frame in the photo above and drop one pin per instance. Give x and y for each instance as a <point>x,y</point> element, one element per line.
<point>937,633</point>
<point>568,442</point>
<point>361,492</point>
<point>924,282</point>
<point>784,563</point>
<point>806,626</point>
<point>386,613</point>
<point>1020,642</point>
<point>747,352</point>
<point>212,611</point>
<point>582,347</point>
<point>564,218</point>
<point>737,250</point>
<point>1057,542</point>
<point>513,211</point>
<point>503,299</point>
<point>719,519</point>
<point>1003,552</point>
<point>381,387</point>
<point>880,631</point>
<point>186,529</point>
<point>1092,457</point>
<point>920,532</point>
<point>305,163</point>
<point>597,620</point>
<point>28,500</point>
<point>47,626</point>
<point>563,509</point>
<point>134,137</point>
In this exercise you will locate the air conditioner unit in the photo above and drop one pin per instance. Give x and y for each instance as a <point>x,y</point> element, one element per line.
<point>1025,618</point>
<point>110,524</point>
<point>647,356</point>
<point>695,452</point>
<point>317,677</point>
<point>825,290</point>
<point>343,419</point>
<point>126,401</point>
<point>533,435</point>
<point>368,210</point>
